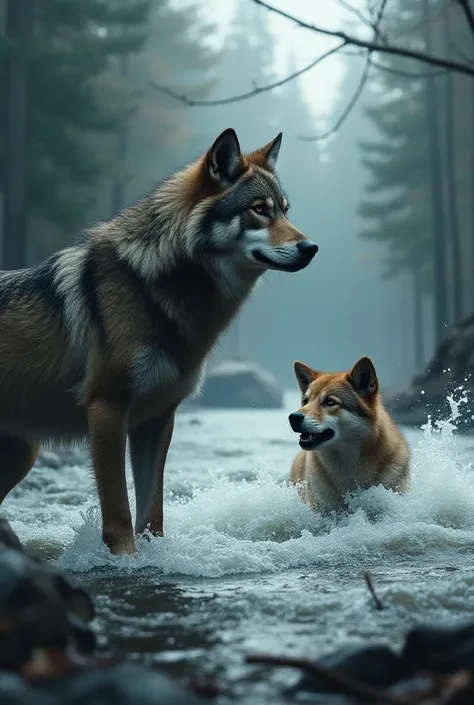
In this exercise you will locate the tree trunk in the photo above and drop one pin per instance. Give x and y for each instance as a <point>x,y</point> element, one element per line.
<point>472,192</point>
<point>417,319</point>
<point>437,206</point>
<point>451,192</point>
<point>121,151</point>
<point>18,28</point>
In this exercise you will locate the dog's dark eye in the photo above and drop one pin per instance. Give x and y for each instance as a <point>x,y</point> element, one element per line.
<point>329,401</point>
<point>304,401</point>
<point>259,208</point>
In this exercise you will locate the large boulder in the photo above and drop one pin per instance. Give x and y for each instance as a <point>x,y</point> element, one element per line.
<point>239,384</point>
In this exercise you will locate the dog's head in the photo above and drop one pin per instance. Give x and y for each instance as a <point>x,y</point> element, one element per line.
<point>335,407</point>
<point>244,215</point>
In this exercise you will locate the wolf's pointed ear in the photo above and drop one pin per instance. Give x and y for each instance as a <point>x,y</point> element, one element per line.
<point>304,375</point>
<point>272,150</point>
<point>224,159</point>
<point>363,377</point>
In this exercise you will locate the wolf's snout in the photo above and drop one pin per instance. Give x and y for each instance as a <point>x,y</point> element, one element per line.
<point>296,420</point>
<point>307,248</point>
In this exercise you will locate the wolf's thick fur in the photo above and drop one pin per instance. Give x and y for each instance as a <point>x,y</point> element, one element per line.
<point>349,440</point>
<point>105,340</point>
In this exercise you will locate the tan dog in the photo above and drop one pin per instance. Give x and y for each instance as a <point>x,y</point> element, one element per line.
<point>348,438</point>
<point>104,340</point>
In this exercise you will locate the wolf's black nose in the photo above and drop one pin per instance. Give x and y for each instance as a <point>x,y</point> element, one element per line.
<point>296,419</point>
<point>308,248</point>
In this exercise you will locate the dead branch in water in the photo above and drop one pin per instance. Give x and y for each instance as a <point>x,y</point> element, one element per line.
<point>345,684</point>
<point>370,585</point>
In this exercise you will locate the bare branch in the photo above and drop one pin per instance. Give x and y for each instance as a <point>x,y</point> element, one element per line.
<point>378,22</point>
<point>358,91</point>
<point>468,12</point>
<point>370,585</point>
<point>408,74</point>
<point>374,46</point>
<point>249,94</point>
<point>360,15</point>
<point>345,683</point>
<point>347,109</point>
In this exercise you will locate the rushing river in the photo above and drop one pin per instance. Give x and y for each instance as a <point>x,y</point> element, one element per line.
<point>244,566</point>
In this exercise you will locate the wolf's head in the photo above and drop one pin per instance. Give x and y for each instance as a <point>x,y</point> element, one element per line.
<point>241,211</point>
<point>336,407</point>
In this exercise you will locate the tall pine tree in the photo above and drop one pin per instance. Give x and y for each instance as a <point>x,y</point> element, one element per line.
<point>159,137</point>
<point>70,105</point>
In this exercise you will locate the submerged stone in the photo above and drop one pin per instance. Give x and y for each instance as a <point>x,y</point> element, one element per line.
<point>377,666</point>
<point>444,649</point>
<point>123,684</point>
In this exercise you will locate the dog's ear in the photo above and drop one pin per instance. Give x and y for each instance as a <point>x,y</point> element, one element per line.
<point>363,377</point>
<point>225,161</point>
<point>304,375</point>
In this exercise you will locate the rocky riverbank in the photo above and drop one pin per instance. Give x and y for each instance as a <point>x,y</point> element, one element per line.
<point>49,655</point>
<point>450,371</point>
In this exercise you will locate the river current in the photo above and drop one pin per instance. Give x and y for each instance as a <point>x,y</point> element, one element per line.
<point>245,567</point>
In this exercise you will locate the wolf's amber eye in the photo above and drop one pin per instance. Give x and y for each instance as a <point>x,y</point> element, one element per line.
<point>259,208</point>
<point>329,401</point>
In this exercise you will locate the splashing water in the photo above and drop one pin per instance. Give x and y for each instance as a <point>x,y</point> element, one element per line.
<point>230,527</point>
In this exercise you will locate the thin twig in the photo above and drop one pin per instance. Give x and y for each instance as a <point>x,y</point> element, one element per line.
<point>347,109</point>
<point>468,12</point>
<point>378,22</point>
<point>360,87</point>
<point>408,74</point>
<point>371,45</point>
<point>360,15</point>
<point>250,94</point>
<point>399,72</point>
<point>346,684</point>
<point>370,585</point>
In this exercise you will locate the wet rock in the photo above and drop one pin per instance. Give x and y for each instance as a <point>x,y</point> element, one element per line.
<point>42,612</point>
<point>376,666</point>
<point>239,384</point>
<point>122,684</point>
<point>411,687</point>
<point>15,691</point>
<point>437,648</point>
<point>451,366</point>
<point>8,538</point>
<point>47,645</point>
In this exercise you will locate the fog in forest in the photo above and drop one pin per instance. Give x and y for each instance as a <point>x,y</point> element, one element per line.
<point>356,160</point>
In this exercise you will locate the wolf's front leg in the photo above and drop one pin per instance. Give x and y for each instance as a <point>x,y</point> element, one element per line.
<point>149,445</point>
<point>107,431</point>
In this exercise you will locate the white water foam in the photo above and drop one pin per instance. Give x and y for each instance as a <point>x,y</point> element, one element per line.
<point>247,527</point>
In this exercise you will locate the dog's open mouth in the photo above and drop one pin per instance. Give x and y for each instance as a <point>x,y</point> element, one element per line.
<point>309,441</point>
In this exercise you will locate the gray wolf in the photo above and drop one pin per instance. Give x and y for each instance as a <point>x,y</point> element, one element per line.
<point>103,340</point>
